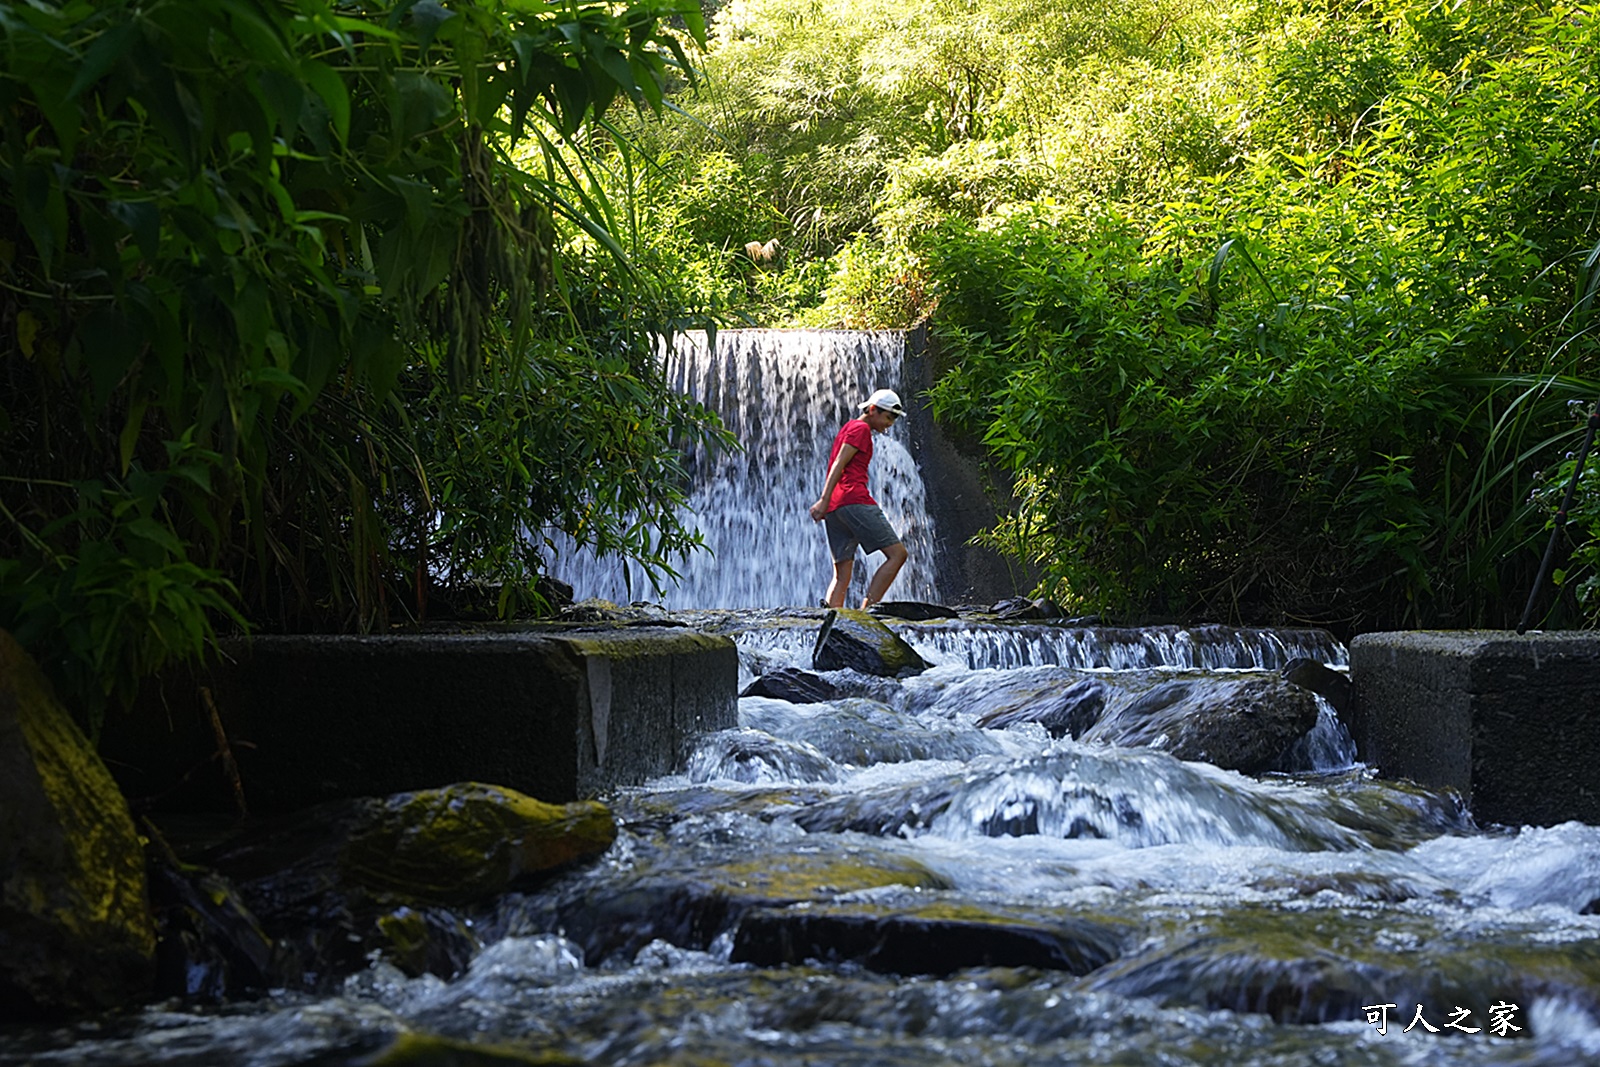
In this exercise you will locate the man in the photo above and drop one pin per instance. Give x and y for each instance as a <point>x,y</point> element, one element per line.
<point>848,511</point>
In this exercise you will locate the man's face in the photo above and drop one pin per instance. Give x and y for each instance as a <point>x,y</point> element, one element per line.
<point>878,419</point>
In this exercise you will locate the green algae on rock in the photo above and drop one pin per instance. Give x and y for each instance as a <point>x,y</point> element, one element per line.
<point>399,876</point>
<point>849,638</point>
<point>75,926</point>
<point>470,841</point>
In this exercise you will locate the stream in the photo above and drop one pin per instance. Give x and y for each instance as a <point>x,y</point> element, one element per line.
<point>875,880</point>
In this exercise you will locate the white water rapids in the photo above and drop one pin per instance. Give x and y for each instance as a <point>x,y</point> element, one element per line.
<point>875,881</point>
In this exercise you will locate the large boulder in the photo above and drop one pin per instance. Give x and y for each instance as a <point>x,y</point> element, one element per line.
<point>399,875</point>
<point>75,927</point>
<point>855,639</point>
<point>792,684</point>
<point>1243,724</point>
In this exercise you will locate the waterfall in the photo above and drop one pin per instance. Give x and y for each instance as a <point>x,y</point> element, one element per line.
<point>1006,646</point>
<point>784,394</point>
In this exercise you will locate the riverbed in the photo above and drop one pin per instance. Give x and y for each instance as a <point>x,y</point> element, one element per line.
<point>876,880</point>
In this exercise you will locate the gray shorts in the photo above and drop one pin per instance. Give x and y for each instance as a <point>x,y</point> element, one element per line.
<point>858,524</point>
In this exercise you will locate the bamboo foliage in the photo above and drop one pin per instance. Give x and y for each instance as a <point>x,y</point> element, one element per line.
<point>271,275</point>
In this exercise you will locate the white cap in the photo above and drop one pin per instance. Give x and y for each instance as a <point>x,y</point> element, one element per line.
<point>885,400</point>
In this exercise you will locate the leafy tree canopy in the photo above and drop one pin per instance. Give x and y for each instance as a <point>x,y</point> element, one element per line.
<point>310,305</point>
<point>1272,307</point>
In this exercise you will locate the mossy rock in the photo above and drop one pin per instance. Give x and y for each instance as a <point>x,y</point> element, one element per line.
<point>75,927</point>
<point>857,640</point>
<point>469,841</point>
<point>399,875</point>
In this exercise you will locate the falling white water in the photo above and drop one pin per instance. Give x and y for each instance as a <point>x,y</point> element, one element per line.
<point>1009,646</point>
<point>784,394</point>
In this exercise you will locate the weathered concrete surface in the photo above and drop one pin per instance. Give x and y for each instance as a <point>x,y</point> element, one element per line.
<point>556,714</point>
<point>1509,722</point>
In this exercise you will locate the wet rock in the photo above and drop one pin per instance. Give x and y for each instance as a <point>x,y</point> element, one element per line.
<point>913,610</point>
<point>855,639</point>
<point>458,844</point>
<point>75,927</point>
<point>1331,685</point>
<point>1013,608</point>
<point>1020,609</point>
<point>933,941</point>
<point>1068,712</point>
<point>638,613</point>
<point>687,898</point>
<point>209,945</point>
<point>398,875</point>
<point>1243,724</point>
<point>557,592</point>
<point>792,684</point>
<point>1319,965</point>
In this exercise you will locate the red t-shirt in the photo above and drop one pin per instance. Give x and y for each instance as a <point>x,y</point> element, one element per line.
<point>852,487</point>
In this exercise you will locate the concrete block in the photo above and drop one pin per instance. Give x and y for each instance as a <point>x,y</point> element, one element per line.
<point>1508,721</point>
<point>556,714</point>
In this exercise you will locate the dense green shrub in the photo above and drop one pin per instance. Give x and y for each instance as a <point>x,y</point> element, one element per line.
<point>295,326</point>
<point>1280,399</point>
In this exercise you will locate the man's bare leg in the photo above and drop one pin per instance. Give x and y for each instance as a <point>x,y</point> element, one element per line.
<point>842,569</point>
<point>894,557</point>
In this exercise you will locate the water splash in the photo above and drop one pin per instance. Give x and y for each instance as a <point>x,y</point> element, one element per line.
<point>784,394</point>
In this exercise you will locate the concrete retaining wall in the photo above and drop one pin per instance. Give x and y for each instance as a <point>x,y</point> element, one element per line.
<point>1512,723</point>
<point>556,715</point>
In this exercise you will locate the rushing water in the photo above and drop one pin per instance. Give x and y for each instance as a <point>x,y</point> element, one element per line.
<point>877,881</point>
<point>784,394</point>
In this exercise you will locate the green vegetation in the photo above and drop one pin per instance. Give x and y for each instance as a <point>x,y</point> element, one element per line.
<point>1272,307</point>
<point>308,305</point>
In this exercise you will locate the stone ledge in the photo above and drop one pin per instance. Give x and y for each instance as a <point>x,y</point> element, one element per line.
<point>1505,720</point>
<point>556,714</point>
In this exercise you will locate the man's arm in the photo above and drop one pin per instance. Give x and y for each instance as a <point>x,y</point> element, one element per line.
<point>820,509</point>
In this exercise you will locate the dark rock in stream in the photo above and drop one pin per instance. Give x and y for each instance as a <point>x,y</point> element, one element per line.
<point>913,610</point>
<point>794,685</point>
<point>209,945</point>
<point>1019,609</point>
<point>1329,684</point>
<point>687,897</point>
<point>1312,965</point>
<point>398,875</point>
<point>933,941</point>
<point>855,639</point>
<point>1244,724</point>
<point>75,931</point>
<point>1068,712</point>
